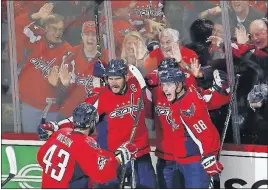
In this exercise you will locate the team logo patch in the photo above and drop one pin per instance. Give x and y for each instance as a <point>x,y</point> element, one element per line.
<point>190,111</point>
<point>102,162</point>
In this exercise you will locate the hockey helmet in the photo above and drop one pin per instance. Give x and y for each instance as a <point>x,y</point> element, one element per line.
<point>85,116</point>
<point>168,63</point>
<point>171,75</point>
<point>116,67</point>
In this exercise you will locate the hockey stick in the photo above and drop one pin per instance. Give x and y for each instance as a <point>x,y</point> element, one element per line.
<point>136,73</point>
<point>96,15</point>
<point>49,102</point>
<point>12,165</point>
<point>226,123</point>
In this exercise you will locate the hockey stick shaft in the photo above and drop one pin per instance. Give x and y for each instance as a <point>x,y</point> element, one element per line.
<point>226,123</point>
<point>10,177</point>
<point>96,14</point>
<point>133,132</point>
<point>136,73</point>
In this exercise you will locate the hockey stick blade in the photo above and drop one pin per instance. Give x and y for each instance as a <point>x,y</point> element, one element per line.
<point>12,165</point>
<point>137,74</point>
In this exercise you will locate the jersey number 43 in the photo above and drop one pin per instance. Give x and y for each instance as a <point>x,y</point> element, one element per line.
<point>61,165</point>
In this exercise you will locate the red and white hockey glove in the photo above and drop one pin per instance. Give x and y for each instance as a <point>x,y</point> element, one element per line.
<point>46,129</point>
<point>126,152</point>
<point>212,166</point>
<point>151,79</point>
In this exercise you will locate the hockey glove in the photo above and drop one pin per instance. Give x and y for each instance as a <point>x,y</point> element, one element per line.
<point>212,166</point>
<point>152,46</point>
<point>125,153</point>
<point>221,82</point>
<point>258,93</point>
<point>151,79</point>
<point>99,69</point>
<point>46,129</point>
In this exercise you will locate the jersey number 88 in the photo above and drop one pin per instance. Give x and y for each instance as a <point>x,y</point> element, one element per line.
<point>62,165</point>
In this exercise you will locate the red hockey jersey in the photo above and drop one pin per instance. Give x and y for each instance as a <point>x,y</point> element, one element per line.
<point>194,133</point>
<point>121,112</point>
<point>58,156</point>
<point>162,117</point>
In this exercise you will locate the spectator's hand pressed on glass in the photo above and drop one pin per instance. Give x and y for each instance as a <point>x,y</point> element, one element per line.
<point>175,53</point>
<point>195,68</point>
<point>153,25</point>
<point>139,49</point>
<point>64,75</point>
<point>215,40</point>
<point>241,35</point>
<point>211,12</point>
<point>44,12</point>
<point>53,76</point>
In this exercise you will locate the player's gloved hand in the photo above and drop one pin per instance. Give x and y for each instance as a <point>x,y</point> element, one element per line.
<point>221,82</point>
<point>126,152</point>
<point>212,166</point>
<point>99,69</point>
<point>46,129</point>
<point>152,46</point>
<point>151,79</point>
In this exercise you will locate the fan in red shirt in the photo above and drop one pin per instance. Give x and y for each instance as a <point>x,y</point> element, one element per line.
<point>45,73</point>
<point>61,155</point>
<point>168,38</point>
<point>83,81</point>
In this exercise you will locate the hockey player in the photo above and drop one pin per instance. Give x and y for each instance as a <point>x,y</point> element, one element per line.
<point>213,98</point>
<point>118,103</point>
<point>195,139</point>
<point>61,154</point>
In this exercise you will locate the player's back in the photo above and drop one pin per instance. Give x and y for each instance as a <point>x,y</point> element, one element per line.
<point>67,149</point>
<point>57,160</point>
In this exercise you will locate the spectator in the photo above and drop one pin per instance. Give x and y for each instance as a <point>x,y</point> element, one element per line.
<point>134,50</point>
<point>83,81</point>
<point>169,48</point>
<point>243,14</point>
<point>44,74</point>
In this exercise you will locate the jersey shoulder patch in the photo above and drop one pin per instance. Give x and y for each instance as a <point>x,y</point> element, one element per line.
<point>189,112</point>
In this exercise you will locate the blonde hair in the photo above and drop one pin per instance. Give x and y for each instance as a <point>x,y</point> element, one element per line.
<point>52,19</point>
<point>135,34</point>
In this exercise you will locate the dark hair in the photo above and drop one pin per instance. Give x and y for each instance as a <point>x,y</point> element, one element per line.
<point>200,30</point>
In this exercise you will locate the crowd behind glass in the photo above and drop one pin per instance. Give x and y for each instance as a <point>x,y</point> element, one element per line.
<point>68,26</point>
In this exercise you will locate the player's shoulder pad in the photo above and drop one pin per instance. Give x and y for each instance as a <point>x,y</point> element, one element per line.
<point>92,142</point>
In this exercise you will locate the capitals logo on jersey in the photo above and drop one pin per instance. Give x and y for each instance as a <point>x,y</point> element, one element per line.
<point>165,111</point>
<point>150,10</point>
<point>127,108</point>
<point>190,111</point>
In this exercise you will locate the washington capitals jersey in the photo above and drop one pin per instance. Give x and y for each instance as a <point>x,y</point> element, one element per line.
<point>194,133</point>
<point>62,152</point>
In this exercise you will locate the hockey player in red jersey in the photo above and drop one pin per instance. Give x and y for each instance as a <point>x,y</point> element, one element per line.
<point>61,155</point>
<point>213,99</point>
<point>195,139</point>
<point>118,103</point>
